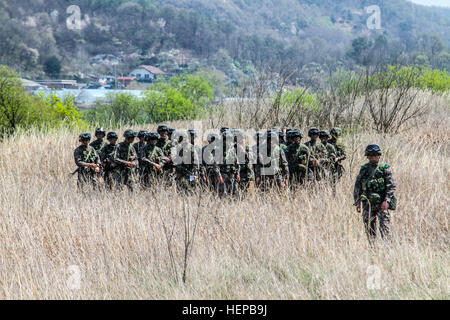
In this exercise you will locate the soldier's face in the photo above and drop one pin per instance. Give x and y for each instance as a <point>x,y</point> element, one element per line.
<point>324,139</point>
<point>112,141</point>
<point>373,158</point>
<point>129,140</point>
<point>153,142</point>
<point>314,136</point>
<point>163,135</point>
<point>100,136</point>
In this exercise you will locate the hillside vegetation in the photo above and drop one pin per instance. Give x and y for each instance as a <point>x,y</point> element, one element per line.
<point>234,36</point>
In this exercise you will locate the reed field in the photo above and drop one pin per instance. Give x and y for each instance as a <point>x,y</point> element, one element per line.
<point>57,243</point>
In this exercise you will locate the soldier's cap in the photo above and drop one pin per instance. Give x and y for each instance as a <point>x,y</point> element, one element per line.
<point>172,130</point>
<point>324,133</point>
<point>112,135</point>
<point>212,137</point>
<point>100,131</point>
<point>313,131</point>
<point>372,149</point>
<point>84,137</point>
<point>335,132</point>
<point>295,134</point>
<point>130,134</point>
<point>142,133</point>
<point>223,129</point>
<point>163,128</point>
<point>151,136</point>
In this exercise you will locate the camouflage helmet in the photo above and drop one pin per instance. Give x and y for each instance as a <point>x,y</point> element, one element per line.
<point>212,137</point>
<point>313,131</point>
<point>171,130</point>
<point>295,134</point>
<point>151,136</point>
<point>162,128</point>
<point>372,149</point>
<point>84,137</point>
<point>112,135</point>
<point>100,131</point>
<point>336,132</point>
<point>323,134</point>
<point>129,134</point>
<point>142,134</point>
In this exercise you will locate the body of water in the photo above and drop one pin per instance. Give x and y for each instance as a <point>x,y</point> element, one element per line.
<point>86,98</point>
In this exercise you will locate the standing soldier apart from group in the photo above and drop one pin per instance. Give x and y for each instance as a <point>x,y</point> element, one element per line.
<point>374,193</point>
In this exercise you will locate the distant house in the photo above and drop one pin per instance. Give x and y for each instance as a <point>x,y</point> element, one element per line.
<point>126,80</point>
<point>146,73</point>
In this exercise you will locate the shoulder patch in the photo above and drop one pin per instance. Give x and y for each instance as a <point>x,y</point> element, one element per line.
<point>386,166</point>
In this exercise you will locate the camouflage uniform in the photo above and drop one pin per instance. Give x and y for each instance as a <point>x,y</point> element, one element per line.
<point>246,171</point>
<point>151,154</point>
<point>210,166</point>
<point>166,146</point>
<point>331,155</point>
<point>83,155</point>
<point>338,169</point>
<point>297,155</point>
<point>98,145</point>
<point>272,170</point>
<point>229,169</point>
<point>319,152</point>
<point>186,166</point>
<point>123,174</point>
<point>107,159</point>
<point>374,185</point>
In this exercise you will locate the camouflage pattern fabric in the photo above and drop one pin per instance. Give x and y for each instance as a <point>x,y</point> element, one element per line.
<point>123,174</point>
<point>86,175</point>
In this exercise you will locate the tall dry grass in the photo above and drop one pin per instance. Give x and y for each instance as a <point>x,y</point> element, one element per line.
<point>307,245</point>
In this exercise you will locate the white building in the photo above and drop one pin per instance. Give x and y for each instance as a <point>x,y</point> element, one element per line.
<point>146,73</point>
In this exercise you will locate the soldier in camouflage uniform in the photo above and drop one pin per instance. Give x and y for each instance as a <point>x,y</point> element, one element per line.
<point>331,153</point>
<point>165,143</point>
<point>170,133</point>
<point>272,168</point>
<point>186,162</point>
<point>297,155</point>
<point>318,155</point>
<point>198,150</point>
<point>126,160</point>
<point>138,147</point>
<point>338,169</point>
<point>209,162</point>
<point>87,161</point>
<point>99,143</point>
<point>228,165</point>
<point>152,159</point>
<point>107,160</point>
<point>374,193</point>
<point>245,160</point>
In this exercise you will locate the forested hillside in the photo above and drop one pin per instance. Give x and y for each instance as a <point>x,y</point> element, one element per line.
<point>234,36</point>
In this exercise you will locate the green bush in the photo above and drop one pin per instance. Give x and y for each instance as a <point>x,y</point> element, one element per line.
<point>19,109</point>
<point>182,98</point>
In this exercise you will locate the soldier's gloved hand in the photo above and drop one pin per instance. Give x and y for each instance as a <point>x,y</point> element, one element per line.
<point>157,166</point>
<point>220,180</point>
<point>358,208</point>
<point>97,169</point>
<point>384,206</point>
<point>131,164</point>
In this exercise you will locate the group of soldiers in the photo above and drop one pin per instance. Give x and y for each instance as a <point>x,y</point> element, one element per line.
<point>227,164</point>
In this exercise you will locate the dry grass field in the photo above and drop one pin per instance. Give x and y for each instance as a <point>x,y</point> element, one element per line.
<point>307,245</point>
